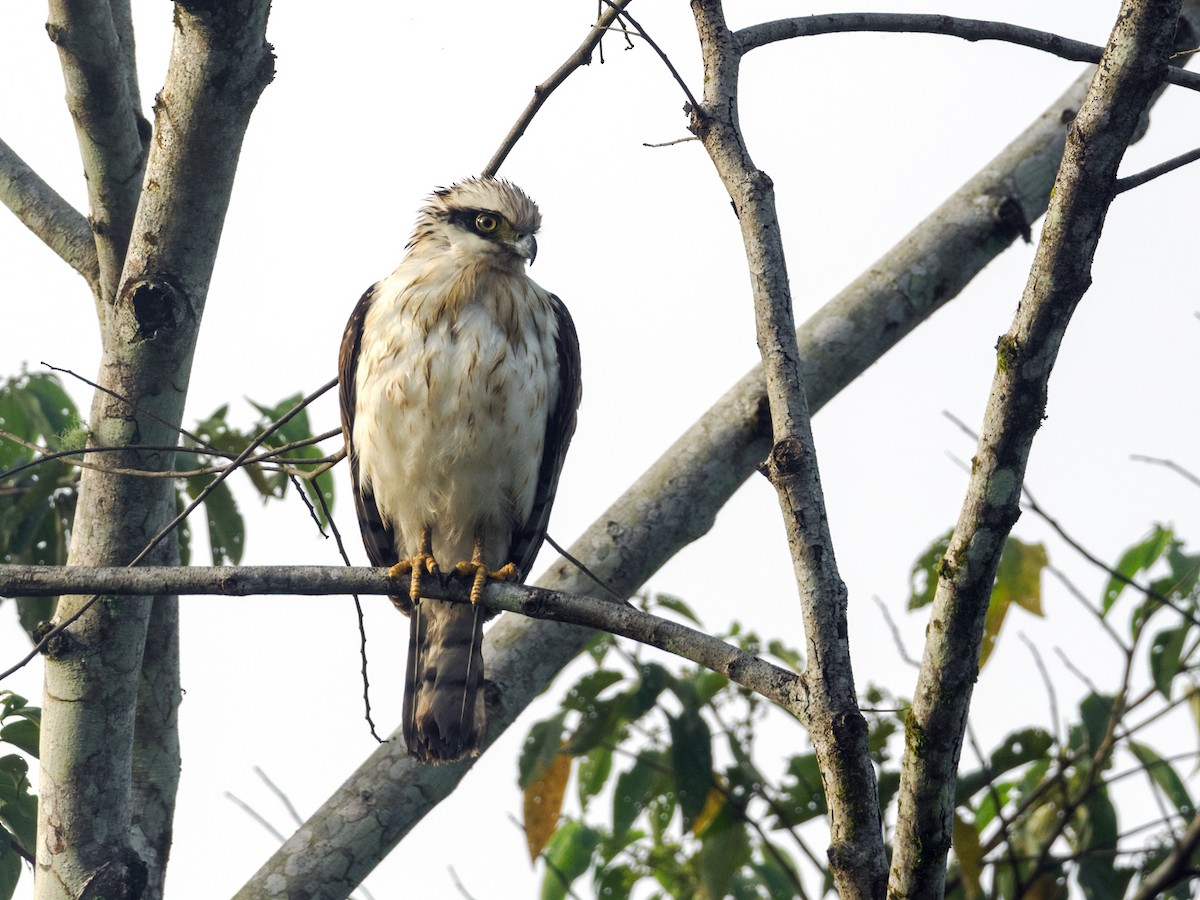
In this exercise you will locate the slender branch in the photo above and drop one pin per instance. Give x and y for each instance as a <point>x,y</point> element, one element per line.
<point>653,45</point>
<point>952,26</point>
<point>838,729</point>
<point>775,683</point>
<point>1170,464</point>
<point>1130,182</point>
<point>581,57</point>
<point>43,211</point>
<point>110,147</point>
<point>1133,66</point>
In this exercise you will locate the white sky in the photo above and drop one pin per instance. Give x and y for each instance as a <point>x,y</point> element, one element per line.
<point>863,135</point>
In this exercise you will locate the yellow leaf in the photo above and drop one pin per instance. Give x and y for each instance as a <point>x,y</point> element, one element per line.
<point>970,856</point>
<point>713,804</point>
<point>1019,576</point>
<point>543,803</point>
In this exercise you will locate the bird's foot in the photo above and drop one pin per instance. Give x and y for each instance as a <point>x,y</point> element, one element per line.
<point>420,565</point>
<point>481,575</point>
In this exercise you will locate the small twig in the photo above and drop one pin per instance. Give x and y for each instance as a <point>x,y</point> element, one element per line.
<point>1129,182</point>
<point>895,630</point>
<point>458,883</point>
<point>253,813</point>
<point>1046,681</point>
<point>581,57</point>
<point>585,570</point>
<point>641,32</point>
<point>358,610</point>
<point>278,792</point>
<point>145,412</point>
<point>682,140</point>
<point>1170,464</point>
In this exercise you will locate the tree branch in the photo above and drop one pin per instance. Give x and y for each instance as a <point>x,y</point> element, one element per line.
<point>838,729</point>
<point>776,684</point>
<point>675,501</point>
<point>43,211</point>
<point>1133,66</point>
<point>96,74</point>
<point>919,23</point>
<point>581,57</point>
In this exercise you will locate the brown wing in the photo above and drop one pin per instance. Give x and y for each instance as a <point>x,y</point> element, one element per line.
<point>560,427</point>
<point>377,536</point>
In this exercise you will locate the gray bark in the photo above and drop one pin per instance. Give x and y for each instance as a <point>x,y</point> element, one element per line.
<point>1133,66</point>
<point>97,695</point>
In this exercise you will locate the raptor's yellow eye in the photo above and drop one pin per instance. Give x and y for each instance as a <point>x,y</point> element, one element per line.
<point>486,223</point>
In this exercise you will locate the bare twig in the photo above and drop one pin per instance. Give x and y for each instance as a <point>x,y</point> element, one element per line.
<point>641,32</point>
<point>581,57</point>
<point>1130,182</point>
<point>1170,464</point>
<point>951,26</point>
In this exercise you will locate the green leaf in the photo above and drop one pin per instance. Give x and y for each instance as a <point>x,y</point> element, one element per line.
<point>586,689</point>
<point>18,807</point>
<point>22,734</point>
<point>541,747</point>
<point>802,798</point>
<point>1018,581</point>
<point>780,882</point>
<point>1095,710</point>
<point>676,605</point>
<point>923,578</point>
<point>10,868</point>
<point>691,758</point>
<point>1019,574</point>
<point>594,769</point>
<point>599,724</point>
<point>568,855</point>
<point>1165,652</point>
<point>708,684</point>
<point>724,848</point>
<point>1136,559</point>
<point>793,658</point>
<point>616,882</point>
<point>226,529</point>
<point>1019,748</point>
<point>1165,778</point>
<point>654,680</point>
<point>633,790</point>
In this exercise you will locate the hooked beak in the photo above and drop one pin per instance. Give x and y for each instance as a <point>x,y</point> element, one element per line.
<point>526,246</point>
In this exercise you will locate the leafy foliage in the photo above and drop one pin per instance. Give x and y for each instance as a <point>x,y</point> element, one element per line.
<point>39,420</point>
<point>671,799</point>
<point>19,725</point>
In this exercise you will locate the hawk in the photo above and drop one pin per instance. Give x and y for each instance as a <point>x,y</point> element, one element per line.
<point>459,381</point>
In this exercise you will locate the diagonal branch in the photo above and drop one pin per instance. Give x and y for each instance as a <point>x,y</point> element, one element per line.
<point>106,125</point>
<point>675,501</point>
<point>581,57</point>
<point>43,211</point>
<point>838,729</point>
<point>952,26</point>
<point>1133,67</point>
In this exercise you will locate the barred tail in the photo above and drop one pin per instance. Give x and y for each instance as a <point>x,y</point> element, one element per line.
<point>443,714</point>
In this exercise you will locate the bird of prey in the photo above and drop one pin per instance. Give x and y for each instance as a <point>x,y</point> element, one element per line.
<point>459,381</point>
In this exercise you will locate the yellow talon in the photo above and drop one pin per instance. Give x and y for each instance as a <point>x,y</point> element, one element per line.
<point>420,564</point>
<point>480,574</point>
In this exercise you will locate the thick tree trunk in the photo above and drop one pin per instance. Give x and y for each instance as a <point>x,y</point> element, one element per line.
<point>109,750</point>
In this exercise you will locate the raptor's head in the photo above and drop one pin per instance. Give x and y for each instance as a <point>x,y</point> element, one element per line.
<point>481,216</point>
